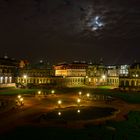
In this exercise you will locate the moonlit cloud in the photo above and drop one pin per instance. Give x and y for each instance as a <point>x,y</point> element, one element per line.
<point>95,23</point>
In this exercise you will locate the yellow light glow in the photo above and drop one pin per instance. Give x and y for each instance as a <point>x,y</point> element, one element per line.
<point>88,94</point>
<point>80,92</point>
<point>24,76</point>
<point>59,102</point>
<point>21,99</point>
<point>89,79</point>
<point>103,76</point>
<point>78,100</point>
<point>59,113</point>
<point>39,92</point>
<point>19,96</point>
<point>78,111</point>
<point>52,91</point>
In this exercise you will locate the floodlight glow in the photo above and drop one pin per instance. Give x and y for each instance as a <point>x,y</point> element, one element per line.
<point>24,76</point>
<point>103,76</point>
<point>21,99</point>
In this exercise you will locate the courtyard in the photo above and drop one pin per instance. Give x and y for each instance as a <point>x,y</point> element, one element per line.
<point>111,113</point>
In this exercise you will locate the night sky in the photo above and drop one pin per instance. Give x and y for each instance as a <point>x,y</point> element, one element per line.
<point>67,30</point>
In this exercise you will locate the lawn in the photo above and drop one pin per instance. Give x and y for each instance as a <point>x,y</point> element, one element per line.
<point>130,97</point>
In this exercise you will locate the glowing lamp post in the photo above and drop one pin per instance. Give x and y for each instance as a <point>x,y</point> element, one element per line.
<point>59,103</point>
<point>78,111</point>
<point>19,96</point>
<point>78,101</point>
<point>39,92</point>
<point>21,101</point>
<point>53,91</point>
<point>88,95</point>
<point>59,113</point>
<point>80,93</point>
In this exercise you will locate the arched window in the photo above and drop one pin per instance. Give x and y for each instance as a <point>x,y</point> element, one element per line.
<point>127,83</point>
<point>132,83</point>
<point>122,83</point>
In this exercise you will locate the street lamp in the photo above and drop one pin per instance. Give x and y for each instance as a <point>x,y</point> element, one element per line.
<point>88,94</point>
<point>59,113</point>
<point>52,91</point>
<point>78,111</point>
<point>21,99</point>
<point>78,100</point>
<point>39,92</point>
<point>80,93</point>
<point>59,103</point>
<point>19,96</point>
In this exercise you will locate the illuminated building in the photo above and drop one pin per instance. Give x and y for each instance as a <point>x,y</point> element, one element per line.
<point>131,80</point>
<point>74,69</point>
<point>7,72</point>
<point>113,76</point>
<point>96,75</point>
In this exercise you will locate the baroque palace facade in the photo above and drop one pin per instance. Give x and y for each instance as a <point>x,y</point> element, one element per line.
<point>8,68</point>
<point>76,74</point>
<point>131,80</point>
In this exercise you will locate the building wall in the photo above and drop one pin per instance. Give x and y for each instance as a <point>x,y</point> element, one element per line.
<point>131,81</point>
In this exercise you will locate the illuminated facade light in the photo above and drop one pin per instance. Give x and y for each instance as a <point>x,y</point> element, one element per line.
<point>89,79</point>
<point>25,76</point>
<point>103,76</point>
